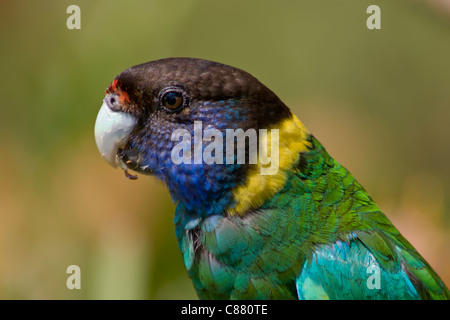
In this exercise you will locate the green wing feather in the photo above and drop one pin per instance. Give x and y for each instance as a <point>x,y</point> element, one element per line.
<point>367,243</point>
<point>320,237</point>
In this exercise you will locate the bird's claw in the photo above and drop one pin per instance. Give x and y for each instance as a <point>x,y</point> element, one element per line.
<point>130,176</point>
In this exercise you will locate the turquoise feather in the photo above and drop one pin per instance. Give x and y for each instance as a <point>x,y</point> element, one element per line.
<point>317,238</point>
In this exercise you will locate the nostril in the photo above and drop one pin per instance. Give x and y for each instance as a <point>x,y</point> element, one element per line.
<point>112,102</point>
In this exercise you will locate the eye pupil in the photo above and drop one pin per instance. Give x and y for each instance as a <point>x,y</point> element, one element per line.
<point>172,100</point>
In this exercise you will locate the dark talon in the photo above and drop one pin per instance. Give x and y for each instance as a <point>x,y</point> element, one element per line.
<point>130,176</point>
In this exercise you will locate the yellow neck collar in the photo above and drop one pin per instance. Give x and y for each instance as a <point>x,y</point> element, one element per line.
<point>259,187</point>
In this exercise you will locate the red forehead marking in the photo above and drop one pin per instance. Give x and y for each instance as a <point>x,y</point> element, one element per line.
<point>112,87</point>
<point>122,95</point>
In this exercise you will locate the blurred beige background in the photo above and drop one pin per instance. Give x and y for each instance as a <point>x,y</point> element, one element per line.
<point>378,100</point>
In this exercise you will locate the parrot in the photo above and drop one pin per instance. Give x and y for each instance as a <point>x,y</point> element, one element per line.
<point>303,230</point>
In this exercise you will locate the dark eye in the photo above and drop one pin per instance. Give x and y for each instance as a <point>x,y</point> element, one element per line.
<point>173,98</point>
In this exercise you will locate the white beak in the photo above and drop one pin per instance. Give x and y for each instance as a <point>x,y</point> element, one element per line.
<point>112,130</point>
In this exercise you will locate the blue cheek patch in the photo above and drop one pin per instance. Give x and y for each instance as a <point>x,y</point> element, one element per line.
<point>202,189</point>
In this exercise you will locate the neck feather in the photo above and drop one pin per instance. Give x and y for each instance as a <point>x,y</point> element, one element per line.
<point>259,188</point>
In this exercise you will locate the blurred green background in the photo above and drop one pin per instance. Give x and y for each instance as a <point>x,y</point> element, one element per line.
<point>378,100</point>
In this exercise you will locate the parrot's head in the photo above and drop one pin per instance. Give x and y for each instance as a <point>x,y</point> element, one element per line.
<point>156,112</point>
